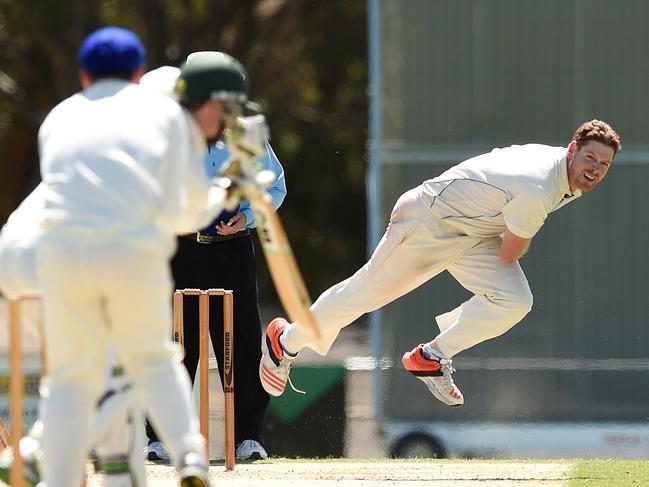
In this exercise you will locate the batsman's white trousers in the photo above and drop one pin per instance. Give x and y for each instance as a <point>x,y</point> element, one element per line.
<point>416,247</point>
<point>95,293</point>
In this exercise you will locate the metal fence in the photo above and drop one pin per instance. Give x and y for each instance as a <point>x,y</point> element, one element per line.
<point>453,79</point>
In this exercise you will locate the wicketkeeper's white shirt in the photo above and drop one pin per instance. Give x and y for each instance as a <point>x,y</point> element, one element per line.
<point>515,187</point>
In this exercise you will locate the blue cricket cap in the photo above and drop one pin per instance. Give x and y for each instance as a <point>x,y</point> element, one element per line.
<point>111,50</point>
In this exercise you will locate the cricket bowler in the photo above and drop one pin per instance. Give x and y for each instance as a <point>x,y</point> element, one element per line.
<point>475,220</point>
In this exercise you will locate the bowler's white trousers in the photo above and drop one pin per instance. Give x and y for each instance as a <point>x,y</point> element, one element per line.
<point>417,246</point>
<point>96,292</point>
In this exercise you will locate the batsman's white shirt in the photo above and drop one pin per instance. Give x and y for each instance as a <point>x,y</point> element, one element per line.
<point>123,171</point>
<point>453,222</point>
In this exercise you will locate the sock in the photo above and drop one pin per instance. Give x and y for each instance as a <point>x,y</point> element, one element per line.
<point>289,353</point>
<point>430,352</point>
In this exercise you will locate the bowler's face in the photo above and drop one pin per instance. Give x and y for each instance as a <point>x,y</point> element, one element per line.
<point>588,165</point>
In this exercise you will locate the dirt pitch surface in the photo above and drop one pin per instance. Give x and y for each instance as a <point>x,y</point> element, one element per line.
<point>374,473</point>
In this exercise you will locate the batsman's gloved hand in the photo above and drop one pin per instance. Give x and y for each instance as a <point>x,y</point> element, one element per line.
<point>234,177</point>
<point>247,141</point>
<point>232,192</point>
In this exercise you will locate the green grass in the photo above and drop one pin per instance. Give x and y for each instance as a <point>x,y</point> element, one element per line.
<point>609,473</point>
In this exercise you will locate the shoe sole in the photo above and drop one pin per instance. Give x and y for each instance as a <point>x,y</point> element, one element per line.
<point>155,458</point>
<point>193,481</point>
<point>434,392</point>
<point>255,456</point>
<point>193,476</point>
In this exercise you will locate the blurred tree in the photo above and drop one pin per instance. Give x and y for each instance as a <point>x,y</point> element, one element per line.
<point>307,63</point>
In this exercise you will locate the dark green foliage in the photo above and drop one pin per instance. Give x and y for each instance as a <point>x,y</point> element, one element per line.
<point>307,63</point>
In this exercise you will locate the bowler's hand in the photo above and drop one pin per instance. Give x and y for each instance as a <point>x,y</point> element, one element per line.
<point>234,225</point>
<point>512,247</point>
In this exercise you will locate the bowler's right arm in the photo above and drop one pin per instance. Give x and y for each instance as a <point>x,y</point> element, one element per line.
<point>512,247</point>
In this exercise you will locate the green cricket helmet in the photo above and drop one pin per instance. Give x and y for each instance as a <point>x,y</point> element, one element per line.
<point>212,75</point>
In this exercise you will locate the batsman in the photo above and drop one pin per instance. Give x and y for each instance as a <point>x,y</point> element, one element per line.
<point>475,220</point>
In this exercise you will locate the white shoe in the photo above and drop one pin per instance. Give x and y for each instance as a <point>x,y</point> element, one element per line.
<point>156,451</point>
<point>251,450</point>
<point>193,471</point>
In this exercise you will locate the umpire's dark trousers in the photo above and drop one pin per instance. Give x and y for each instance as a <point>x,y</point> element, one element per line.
<point>227,263</point>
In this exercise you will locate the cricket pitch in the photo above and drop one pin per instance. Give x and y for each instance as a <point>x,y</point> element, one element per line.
<point>373,473</point>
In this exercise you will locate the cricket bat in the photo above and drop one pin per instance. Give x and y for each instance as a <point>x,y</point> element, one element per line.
<point>283,267</point>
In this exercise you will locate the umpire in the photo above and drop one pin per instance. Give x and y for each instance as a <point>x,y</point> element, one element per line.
<point>222,256</point>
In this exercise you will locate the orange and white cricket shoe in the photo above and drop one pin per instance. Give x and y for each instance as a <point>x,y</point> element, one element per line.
<point>275,365</point>
<point>436,374</point>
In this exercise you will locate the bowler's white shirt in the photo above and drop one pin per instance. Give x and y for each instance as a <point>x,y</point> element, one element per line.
<point>512,188</point>
<point>121,161</point>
